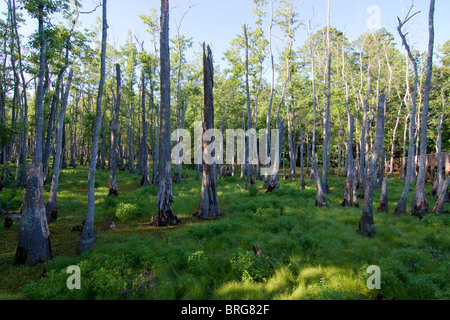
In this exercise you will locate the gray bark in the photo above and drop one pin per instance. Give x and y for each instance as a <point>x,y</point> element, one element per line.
<point>249,169</point>
<point>34,236</point>
<point>320,197</point>
<point>87,240</point>
<point>209,202</point>
<point>366,224</point>
<point>114,130</point>
<point>164,197</point>
<point>349,187</point>
<point>52,208</point>
<point>419,205</point>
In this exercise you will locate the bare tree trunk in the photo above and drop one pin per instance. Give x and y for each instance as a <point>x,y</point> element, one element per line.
<point>443,193</point>
<point>87,240</point>
<point>52,208</point>
<point>114,129</point>
<point>366,225</point>
<point>419,205</point>
<point>391,165</point>
<point>320,197</point>
<point>302,175</point>
<point>250,177</point>
<point>383,207</point>
<point>401,205</point>
<point>348,190</point>
<point>34,236</point>
<point>209,203</point>
<point>164,197</point>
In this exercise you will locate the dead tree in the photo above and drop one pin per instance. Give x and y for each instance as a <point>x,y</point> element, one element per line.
<point>209,202</point>
<point>419,204</point>
<point>164,197</point>
<point>114,130</point>
<point>401,205</point>
<point>349,187</point>
<point>366,225</point>
<point>443,193</point>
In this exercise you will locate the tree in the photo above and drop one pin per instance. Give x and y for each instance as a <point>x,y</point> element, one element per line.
<point>401,205</point>
<point>52,209</point>
<point>164,197</point>
<point>114,130</point>
<point>34,236</point>
<point>209,203</point>
<point>419,205</point>
<point>87,239</point>
<point>366,225</point>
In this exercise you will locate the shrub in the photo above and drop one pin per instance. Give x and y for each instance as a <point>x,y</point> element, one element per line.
<point>253,191</point>
<point>249,267</point>
<point>128,212</point>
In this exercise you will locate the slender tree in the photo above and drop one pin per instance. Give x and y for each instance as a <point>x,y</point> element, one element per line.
<point>419,205</point>
<point>114,130</point>
<point>52,208</point>
<point>366,224</point>
<point>164,197</point>
<point>34,236</point>
<point>87,239</point>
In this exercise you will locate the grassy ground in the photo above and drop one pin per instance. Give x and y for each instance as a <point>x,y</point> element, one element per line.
<point>308,253</point>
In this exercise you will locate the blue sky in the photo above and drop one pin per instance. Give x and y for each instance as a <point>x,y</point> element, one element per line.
<point>218,21</point>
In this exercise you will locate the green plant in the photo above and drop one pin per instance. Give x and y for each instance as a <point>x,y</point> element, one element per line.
<point>127,212</point>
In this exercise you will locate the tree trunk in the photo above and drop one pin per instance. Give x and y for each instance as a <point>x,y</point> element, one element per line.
<point>164,197</point>
<point>348,190</point>
<point>250,177</point>
<point>302,175</point>
<point>34,236</point>
<point>209,203</point>
<point>419,205</point>
<point>443,193</point>
<point>401,205</point>
<point>52,208</point>
<point>114,129</point>
<point>87,240</point>
<point>320,197</point>
<point>383,207</point>
<point>366,225</point>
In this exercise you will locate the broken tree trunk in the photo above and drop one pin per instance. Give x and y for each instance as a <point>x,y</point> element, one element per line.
<point>366,225</point>
<point>443,193</point>
<point>209,201</point>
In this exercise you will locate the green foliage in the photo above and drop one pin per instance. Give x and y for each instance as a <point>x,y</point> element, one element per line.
<point>248,267</point>
<point>128,212</point>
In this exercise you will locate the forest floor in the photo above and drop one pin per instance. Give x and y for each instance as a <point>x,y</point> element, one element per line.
<point>307,252</point>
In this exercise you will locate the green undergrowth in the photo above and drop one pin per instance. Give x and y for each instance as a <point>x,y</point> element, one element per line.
<point>307,252</point>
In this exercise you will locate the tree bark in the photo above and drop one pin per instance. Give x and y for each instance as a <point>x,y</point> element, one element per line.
<point>250,177</point>
<point>52,208</point>
<point>34,236</point>
<point>209,202</point>
<point>419,205</point>
<point>400,209</point>
<point>114,130</point>
<point>87,239</point>
<point>302,174</point>
<point>443,193</point>
<point>320,197</point>
<point>164,197</point>
<point>366,224</point>
<point>349,187</point>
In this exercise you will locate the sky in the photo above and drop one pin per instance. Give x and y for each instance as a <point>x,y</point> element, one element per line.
<point>217,22</point>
